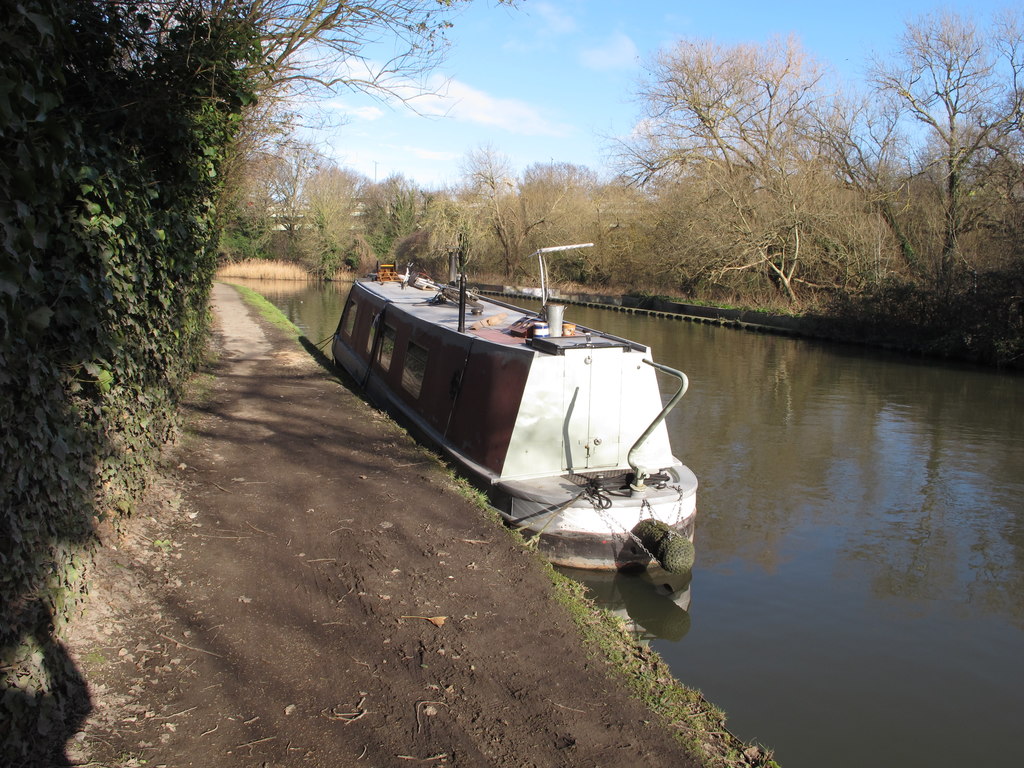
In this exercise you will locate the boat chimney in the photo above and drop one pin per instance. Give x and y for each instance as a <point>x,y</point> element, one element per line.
<point>555,313</point>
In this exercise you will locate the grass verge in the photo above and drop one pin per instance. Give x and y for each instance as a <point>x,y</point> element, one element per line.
<point>268,311</point>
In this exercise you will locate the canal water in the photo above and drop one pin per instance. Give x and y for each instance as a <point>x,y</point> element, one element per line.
<point>858,597</point>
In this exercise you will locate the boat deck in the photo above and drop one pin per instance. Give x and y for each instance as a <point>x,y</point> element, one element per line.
<point>489,320</point>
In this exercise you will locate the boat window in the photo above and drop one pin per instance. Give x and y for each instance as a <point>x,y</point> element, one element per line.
<point>387,347</point>
<point>415,368</point>
<point>349,323</point>
<point>371,336</point>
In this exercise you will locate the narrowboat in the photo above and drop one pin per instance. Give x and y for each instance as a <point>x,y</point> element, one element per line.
<point>561,425</point>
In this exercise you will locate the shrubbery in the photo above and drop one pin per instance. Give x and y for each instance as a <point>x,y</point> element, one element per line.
<point>981,319</point>
<point>113,125</point>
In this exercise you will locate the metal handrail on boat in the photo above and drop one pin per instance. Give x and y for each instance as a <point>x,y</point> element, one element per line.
<point>640,475</point>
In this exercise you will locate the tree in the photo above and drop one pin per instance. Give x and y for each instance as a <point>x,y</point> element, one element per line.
<point>331,237</point>
<point>548,205</point>
<point>489,177</point>
<point>290,170</point>
<point>393,210</point>
<point>569,195</point>
<point>737,124</point>
<point>313,45</point>
<point>861,141</point>
<point>965,87</point>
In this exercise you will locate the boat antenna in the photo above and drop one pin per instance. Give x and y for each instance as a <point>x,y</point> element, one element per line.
<point>539,253</point>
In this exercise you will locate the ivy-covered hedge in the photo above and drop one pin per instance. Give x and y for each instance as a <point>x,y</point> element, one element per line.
<point>113,124</point>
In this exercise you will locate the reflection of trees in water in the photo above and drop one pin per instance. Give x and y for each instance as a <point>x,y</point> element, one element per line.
<point>764,442</point>
<point>910,469</point>
<point>943,518</point>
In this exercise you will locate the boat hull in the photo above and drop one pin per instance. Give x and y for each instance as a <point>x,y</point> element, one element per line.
<point>583,529</point>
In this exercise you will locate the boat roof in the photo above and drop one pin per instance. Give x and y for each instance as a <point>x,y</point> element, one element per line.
<point>486,318</point>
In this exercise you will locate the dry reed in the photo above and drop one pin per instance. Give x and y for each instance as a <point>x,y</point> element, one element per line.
<point>258,269</point>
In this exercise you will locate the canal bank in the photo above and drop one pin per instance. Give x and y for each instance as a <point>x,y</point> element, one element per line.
<point>315,589</point>
<point>860,330</point>
<point>665,307</point>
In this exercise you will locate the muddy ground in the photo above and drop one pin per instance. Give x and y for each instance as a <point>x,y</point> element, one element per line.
<point>311,588</point>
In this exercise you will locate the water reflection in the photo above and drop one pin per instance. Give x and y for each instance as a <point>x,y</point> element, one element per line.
<point>653,604</point>
<point>313,307</point>
<point>908,471</point>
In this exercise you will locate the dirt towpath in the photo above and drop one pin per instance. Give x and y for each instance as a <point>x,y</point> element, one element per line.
<point>316,592</point>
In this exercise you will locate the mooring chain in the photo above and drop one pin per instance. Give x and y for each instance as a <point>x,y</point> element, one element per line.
<point>645,509</point>
<point>601,502</point>
<point>597,496</point>
<point>679,504</point>
<point>612,525</point>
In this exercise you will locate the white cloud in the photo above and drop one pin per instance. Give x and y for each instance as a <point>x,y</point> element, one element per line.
<point>549,22</point>
<point>557,21</point>
<point>619,52</point>
<point>368,112</point>
<point>458,101</point>
<point>436,96</point>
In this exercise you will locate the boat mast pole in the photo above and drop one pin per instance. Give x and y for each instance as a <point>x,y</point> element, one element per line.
<point>539,253</point>
<point>462,302</point>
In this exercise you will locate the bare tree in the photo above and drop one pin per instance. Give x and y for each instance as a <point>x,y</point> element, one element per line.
<point>567,192</point>
<point>861,141</point>
<point>570,197</point>
<point>965,87</point>
<point>737,123</point>
<point>489,177</point>
<point>285,190</point>
<point>741,107</point>
<point>550,203</point>
<point>314,47</point>
<point>319,44</point>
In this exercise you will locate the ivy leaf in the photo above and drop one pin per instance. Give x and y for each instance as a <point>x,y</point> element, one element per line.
<point>43,24</point>
<point>40,318</point>
<point>104,380</point>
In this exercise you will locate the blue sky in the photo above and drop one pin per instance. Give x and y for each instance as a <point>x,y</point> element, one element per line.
<point>555,79</point>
